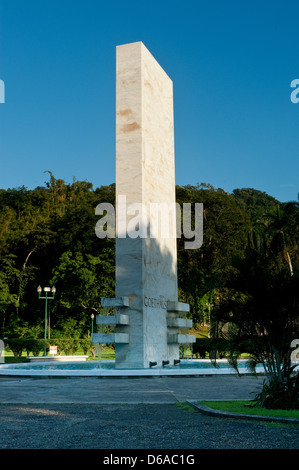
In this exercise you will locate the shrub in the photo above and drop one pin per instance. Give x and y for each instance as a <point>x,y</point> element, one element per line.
<point>70,345</point>
<point>214,347</point>
<point>34,346</point>
<point>280,394</point>
<point>17,347</point>
<point>85,345</point>
<point>63,345</point>
<point>200,347</point>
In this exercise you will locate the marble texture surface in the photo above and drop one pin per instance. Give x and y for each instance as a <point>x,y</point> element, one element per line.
<point>146,268</point>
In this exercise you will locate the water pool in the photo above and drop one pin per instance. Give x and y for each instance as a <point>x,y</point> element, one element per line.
<point>110,365</point>
<point>107,369</point>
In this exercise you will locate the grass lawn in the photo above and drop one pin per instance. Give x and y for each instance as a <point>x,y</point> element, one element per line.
<point>240,407</point>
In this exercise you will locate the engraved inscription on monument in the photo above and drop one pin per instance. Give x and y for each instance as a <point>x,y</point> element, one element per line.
<point>155,303</point>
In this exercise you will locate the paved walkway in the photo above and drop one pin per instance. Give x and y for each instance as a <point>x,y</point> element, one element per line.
<point>129,390</point>
<point>92,413</point>
<point>132,426</point>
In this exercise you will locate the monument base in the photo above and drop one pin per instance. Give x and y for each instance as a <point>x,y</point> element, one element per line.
<point>56,358</point>
<point>135,348</point>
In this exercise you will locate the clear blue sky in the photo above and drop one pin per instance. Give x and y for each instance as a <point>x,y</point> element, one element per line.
<point>231,63</point>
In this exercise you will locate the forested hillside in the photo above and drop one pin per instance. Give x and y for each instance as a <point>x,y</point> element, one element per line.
<point>47,237</point>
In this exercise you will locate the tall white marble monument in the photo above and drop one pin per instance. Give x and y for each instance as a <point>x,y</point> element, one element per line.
<point>149,321</point>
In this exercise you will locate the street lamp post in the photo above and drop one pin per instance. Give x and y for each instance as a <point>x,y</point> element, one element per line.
<point>46,297</point>
<point>209,305</point>
<point>92,318</point>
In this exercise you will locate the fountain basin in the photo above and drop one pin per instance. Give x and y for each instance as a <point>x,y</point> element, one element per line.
<point>194,368</point>
<point>46,359</point>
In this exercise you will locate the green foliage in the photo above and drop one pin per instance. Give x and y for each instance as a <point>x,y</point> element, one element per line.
<point>19,328</point>
<point>250,408</point>
<point>47,237</point>
<point>280,394</point>
<point>86,345</point>
<point>185,407</point>
<point>48,234</point>
<point>66,346</point>
<point>264,303</point>
<point>201,347</point>
<point>256,203</point>
<point>243,282</point>
<point>69,346</point>
<point>215,348</point>
<point>9,276</point>
<point>18,345</point>
<point>225,232</point>
<point>82,280</point>
<point>35,346</point>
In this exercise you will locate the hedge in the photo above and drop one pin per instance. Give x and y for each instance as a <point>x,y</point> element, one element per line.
<point>36,346</point>
<point>213,347</point>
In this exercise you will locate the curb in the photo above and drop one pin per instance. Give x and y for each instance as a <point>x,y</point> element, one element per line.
<point>224,414</point>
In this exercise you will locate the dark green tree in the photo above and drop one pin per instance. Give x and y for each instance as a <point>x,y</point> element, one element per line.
<point>263,306</point>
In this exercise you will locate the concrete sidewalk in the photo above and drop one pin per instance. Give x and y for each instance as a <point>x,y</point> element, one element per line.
<point>154,390</point>
<point>144,426</point>
<point>92,413</point>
